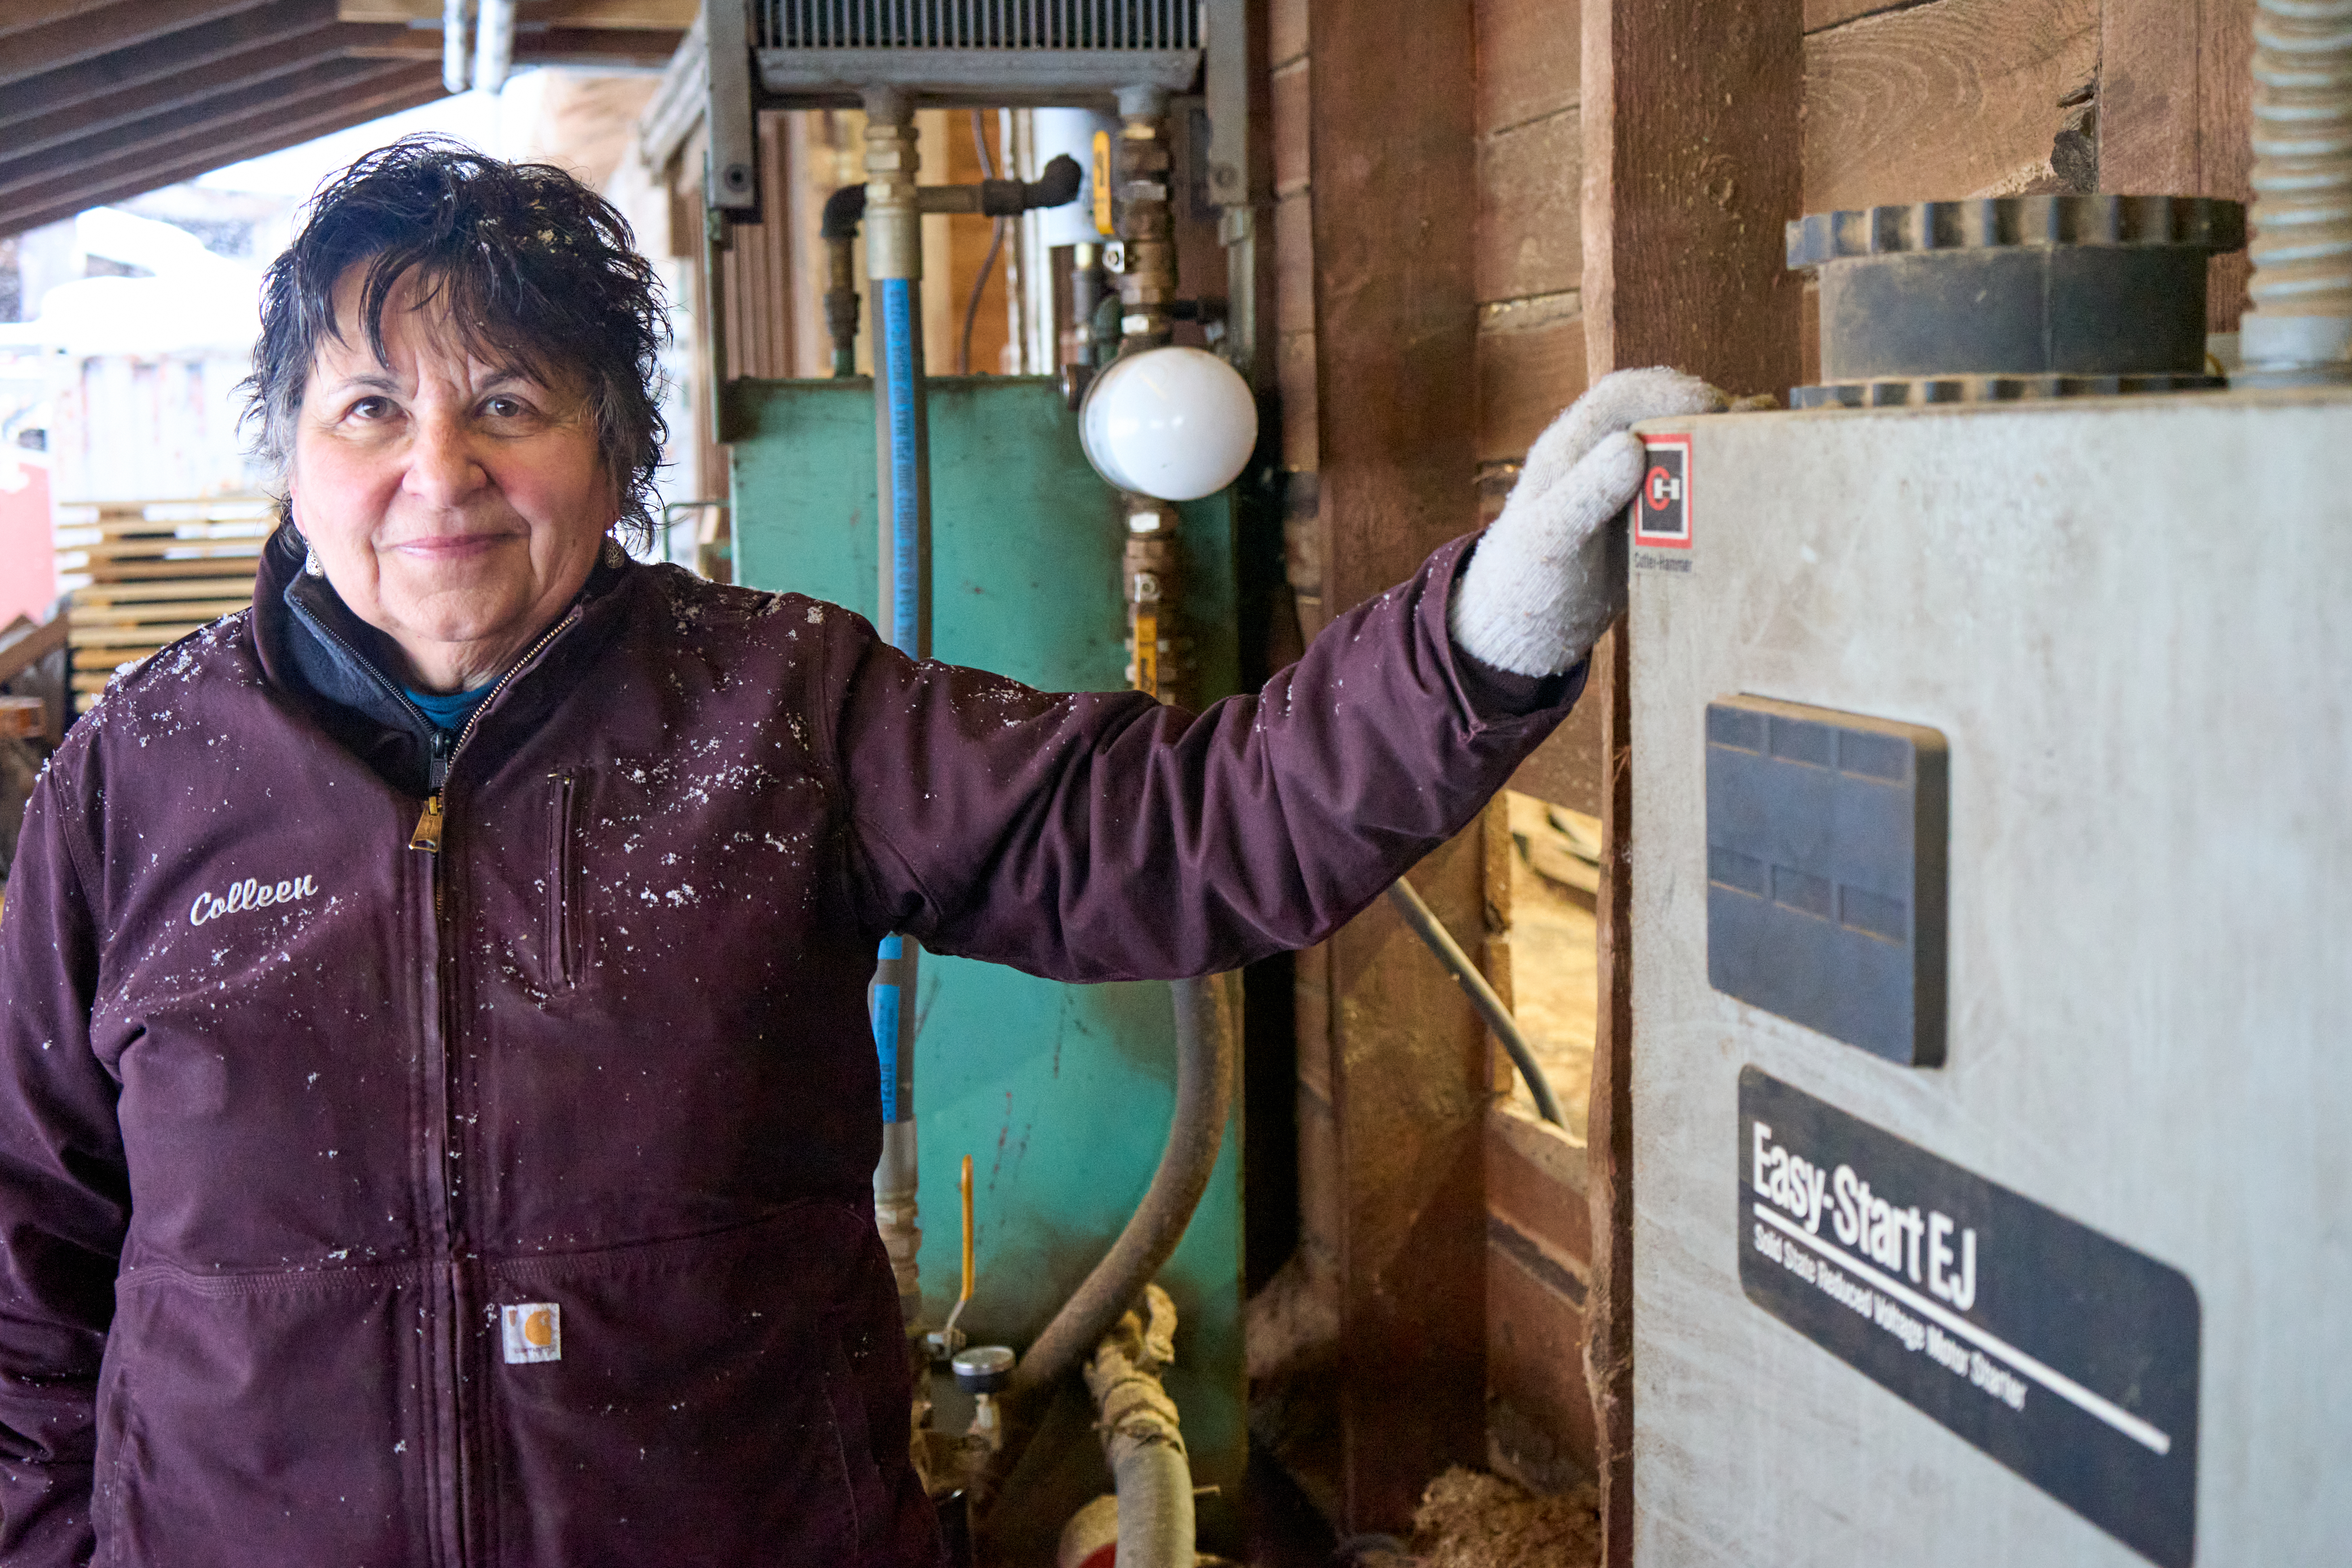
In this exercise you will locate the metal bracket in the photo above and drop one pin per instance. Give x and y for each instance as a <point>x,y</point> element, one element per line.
<point>734,167</point>
<point>1227,73</point>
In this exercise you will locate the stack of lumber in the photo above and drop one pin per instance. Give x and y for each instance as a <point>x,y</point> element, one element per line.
<point>143,574</point>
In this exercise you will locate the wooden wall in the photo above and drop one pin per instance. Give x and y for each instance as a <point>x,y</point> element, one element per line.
<point>1531,363</point>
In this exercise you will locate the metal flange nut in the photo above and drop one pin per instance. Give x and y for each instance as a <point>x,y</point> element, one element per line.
<point>2012,297</point>
<point>1928,390</point>
<point>2192,222</point>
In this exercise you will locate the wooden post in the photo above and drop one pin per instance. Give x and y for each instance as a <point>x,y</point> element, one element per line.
<point>2176,115</point>
<point>1394,210</point>
<point>1692,164</point>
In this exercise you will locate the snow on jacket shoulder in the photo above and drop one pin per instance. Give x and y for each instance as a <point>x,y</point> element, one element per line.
<point>510,1204</point>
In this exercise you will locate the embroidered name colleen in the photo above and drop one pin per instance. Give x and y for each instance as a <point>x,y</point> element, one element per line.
<point>248,895</point>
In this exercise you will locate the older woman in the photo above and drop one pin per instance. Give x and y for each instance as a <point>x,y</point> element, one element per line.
<point>440,1111</point>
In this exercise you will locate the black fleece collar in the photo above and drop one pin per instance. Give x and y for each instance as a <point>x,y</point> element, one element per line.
<point>312,644</point>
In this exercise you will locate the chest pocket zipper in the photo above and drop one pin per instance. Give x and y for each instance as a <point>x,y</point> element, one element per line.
<point>563,917</point>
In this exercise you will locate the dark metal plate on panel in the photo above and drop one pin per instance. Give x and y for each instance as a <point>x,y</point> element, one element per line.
<point>2062,1354</point>
<point>1825,870</point>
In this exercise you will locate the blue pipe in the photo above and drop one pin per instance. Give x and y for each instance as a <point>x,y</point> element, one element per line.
<point>892,1010</point>
<point>906,466</point>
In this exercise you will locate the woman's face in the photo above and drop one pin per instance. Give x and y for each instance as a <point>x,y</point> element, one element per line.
<point>456,504</point>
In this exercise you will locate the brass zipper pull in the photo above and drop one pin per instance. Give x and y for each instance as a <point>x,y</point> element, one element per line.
<point>428,836</point>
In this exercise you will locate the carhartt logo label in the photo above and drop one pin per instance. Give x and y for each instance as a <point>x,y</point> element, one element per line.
<point>532,1331</point>
<point>248,895</point>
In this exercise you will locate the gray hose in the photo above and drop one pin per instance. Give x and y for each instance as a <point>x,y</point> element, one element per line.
<point>1205,1050</point>
<point>1155,1508</point>
<point>1440,942</point>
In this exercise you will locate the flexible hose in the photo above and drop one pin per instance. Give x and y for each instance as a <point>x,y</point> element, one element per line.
<point>1143,1438</point>
<point>1156,1527</point>
<point>2300,326</point>
<point>1205,1050</point>
<point>1431,930</point>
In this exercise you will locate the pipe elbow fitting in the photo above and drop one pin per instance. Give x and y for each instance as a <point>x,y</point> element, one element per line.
<point>844,211</point>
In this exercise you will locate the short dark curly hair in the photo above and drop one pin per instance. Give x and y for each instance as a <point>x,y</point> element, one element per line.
<point>532,265</point>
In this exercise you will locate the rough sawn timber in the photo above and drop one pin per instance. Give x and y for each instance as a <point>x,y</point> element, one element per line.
<point>1393,155</point>
<point>1691,121</point>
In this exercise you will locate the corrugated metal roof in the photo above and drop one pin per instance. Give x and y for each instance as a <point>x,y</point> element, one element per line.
<point>103,99</point>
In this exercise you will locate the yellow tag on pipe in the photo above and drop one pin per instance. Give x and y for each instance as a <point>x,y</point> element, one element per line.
<point>1102,184</point>
<point>1147,653</point>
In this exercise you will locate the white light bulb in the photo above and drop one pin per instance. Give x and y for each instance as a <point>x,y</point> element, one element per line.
<point>1174,424</point>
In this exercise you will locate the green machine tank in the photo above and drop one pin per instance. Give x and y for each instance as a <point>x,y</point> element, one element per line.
<point>1061,1094</point>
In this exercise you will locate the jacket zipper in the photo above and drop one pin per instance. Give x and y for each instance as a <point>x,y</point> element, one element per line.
<point>431,822</point>
<point>430,829</point>
<point>560,943</point>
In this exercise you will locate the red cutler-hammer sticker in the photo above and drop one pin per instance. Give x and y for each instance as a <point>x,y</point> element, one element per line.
<point>1662,511</point>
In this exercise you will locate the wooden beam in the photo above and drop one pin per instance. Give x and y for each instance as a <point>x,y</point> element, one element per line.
<point>203,87</point>
<point>1956,98</point>
<point>119,179</point>
<point>222,114</point>
<point>676,15</point>
<point>29,649</point>
<point>187,51</point>
<point>2174,114</point>
<point>15,15</point>
<point>1393,157</point>
<point>542,46</point>
<point>1609,1113</point>
<point>91,31</point>
<point>1693,163</point>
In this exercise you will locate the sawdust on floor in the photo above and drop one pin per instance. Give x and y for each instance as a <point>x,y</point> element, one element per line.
<point>1468,1519</point>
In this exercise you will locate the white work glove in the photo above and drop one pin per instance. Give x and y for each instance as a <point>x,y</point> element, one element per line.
<point>1538,592</point>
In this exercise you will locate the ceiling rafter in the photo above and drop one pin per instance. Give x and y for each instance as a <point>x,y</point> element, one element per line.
<point>156,103</point>
<point>190,50</point>
<point>123,177</point>
<point>91,31</point>
<point>103,99</point>
<point>196,125</point>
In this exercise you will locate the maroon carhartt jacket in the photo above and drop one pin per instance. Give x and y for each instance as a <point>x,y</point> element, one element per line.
<point>293,1111</point>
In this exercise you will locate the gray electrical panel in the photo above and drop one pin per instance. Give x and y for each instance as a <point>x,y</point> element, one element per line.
<point>1825,850</point>
<point>2124,619</point>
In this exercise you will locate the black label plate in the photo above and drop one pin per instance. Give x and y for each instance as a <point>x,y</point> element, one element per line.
<point>2062,1352</point>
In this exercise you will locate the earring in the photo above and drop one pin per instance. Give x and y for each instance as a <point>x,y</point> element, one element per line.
<point>312,564</point>
<point>614,555</point>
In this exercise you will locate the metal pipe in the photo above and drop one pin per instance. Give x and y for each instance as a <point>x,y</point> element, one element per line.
<point>494,38</point>
<point>893,262</point>
<point>2298,330</point>
<point>1431,930</point>
<point>1159,655</point>
<point>1206,1045</point>
<point>1140,171</point>
<point>453,45</point>
<point>842,211</point>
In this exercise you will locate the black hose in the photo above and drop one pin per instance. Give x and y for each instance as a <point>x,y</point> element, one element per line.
<point>1206,1027</point>
<point>1440,942</point>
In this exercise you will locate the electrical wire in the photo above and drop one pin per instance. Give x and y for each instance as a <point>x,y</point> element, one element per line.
<point>1431,930</point>
<point>988,262</point>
